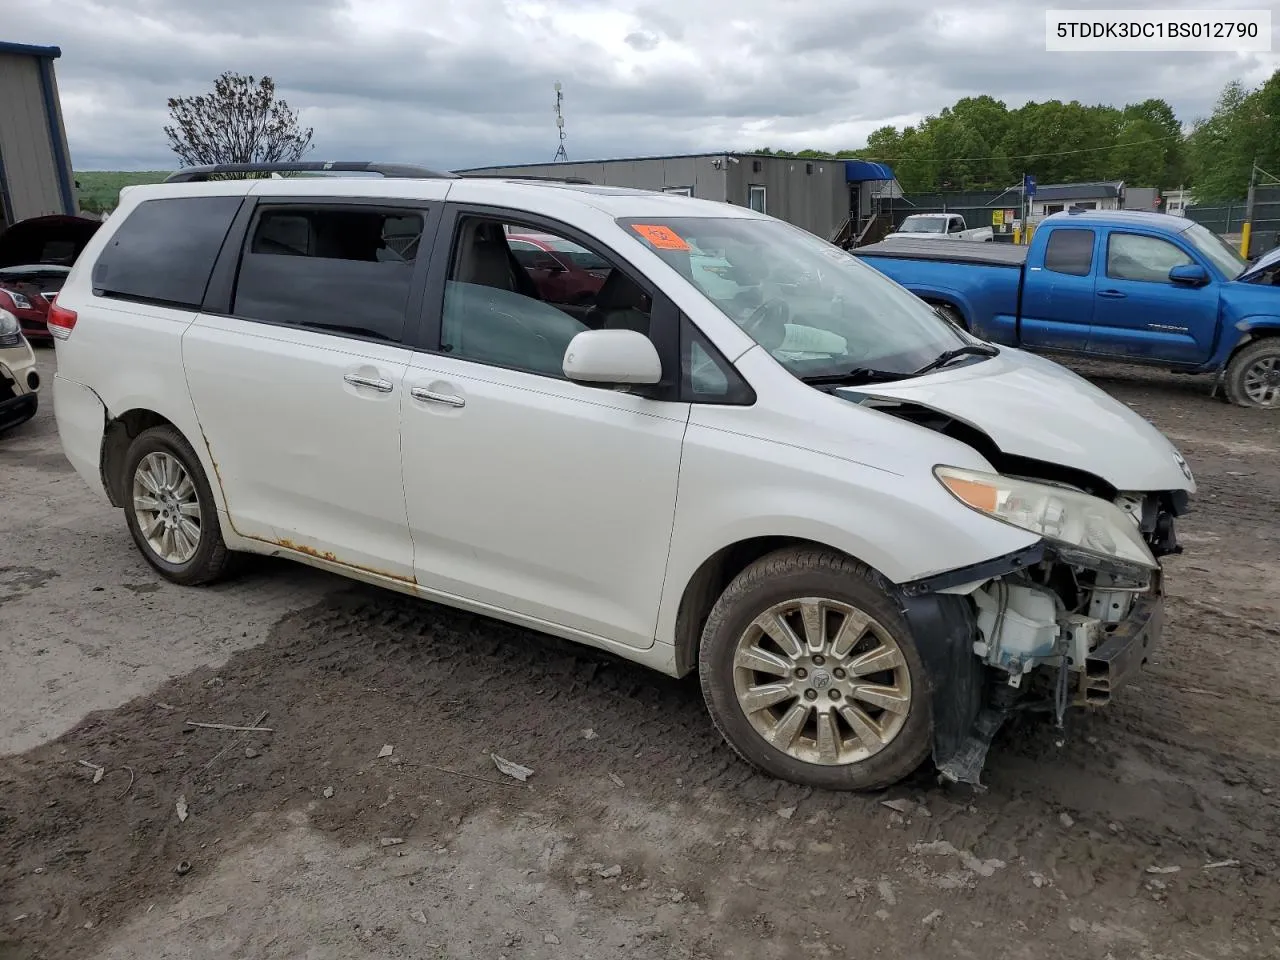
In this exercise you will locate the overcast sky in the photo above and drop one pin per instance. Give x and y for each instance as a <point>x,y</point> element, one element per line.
<point>457,83</point>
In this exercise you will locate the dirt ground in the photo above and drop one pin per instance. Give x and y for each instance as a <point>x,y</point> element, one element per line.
<point>1151,831</point>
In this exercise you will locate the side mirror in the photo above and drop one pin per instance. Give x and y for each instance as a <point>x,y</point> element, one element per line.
<point>1189,274</point>
<point>612,357</point>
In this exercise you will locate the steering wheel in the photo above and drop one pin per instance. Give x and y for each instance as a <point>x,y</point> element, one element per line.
<point>770,316</point>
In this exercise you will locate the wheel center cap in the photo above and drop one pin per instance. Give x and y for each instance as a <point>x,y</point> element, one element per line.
<point>821,680</point>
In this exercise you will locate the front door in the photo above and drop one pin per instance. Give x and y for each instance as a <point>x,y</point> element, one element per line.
<point>298,389</point>
<point>1141,314</point>
<point>527,492</point>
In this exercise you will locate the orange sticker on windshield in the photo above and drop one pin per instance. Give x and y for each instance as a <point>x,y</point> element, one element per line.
<point>664,238</point>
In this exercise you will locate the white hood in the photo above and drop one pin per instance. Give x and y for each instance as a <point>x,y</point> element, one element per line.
<point>1033,407</point>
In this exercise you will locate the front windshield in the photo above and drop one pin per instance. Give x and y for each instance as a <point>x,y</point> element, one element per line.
<point>817,309</point>
<point>922,225</point>
<point>1229,263</point>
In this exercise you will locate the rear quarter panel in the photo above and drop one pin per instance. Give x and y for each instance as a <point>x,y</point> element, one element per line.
<point>130,354</point>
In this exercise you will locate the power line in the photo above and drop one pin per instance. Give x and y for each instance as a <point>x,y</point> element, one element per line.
<point>1022,156</point>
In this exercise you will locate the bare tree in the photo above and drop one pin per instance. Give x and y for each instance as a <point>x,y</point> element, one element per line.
<point>241,121</point>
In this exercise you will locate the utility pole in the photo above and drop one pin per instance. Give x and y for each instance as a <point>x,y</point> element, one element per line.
<point>1246,231</point>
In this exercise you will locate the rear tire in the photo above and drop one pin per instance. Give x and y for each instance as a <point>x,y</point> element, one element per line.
<point>811,674</point>
<point>170,509</point>
<point>1253,376</point>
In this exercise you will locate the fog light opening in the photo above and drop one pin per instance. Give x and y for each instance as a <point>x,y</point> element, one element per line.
<point>33,380</point>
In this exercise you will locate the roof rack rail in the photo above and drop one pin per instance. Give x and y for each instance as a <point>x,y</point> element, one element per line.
<point>390,170</point>
<point>509,176</point>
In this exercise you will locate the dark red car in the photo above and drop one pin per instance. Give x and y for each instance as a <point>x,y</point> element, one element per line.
<point>563,271</point>
<point>35,257</point>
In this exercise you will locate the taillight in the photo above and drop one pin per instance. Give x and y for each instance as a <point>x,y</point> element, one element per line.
<point>61,321</point>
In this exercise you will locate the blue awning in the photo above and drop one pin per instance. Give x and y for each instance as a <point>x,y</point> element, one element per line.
<point>856,171</point>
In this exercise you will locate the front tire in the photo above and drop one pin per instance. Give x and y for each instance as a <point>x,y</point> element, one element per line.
<point>1253,375</point>
<point>811,674</point>
<point>170,509</point>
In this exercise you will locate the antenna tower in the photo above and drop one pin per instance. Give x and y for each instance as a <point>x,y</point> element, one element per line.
<point>561,154</point>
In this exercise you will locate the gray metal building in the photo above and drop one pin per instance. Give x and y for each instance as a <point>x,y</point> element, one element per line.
<point>820,195</point>
<point>35,164</point>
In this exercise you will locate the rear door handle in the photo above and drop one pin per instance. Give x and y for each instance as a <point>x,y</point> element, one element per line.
<point>430,396</point>
<point>373,383</point>
<point>1112,294</point>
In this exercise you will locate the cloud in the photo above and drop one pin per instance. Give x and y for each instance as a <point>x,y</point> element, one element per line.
<point>469,82</point>
<point>642,40</point>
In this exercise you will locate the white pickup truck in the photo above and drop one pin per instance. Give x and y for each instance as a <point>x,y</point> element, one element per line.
<point>943,226</point>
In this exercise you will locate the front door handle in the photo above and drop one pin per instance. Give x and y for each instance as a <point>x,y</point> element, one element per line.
<point>1112,294</point>
<point>430,396</point>
<point>373,383</point>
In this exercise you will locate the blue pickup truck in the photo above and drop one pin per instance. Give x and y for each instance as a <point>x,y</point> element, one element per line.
<point>1125,286</point>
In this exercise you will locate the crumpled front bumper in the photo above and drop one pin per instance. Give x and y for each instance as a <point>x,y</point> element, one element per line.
<point>968,700</point>
<point>1125,649</point>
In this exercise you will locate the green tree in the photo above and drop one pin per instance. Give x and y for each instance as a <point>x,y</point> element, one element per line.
<point>1138,157</point>
<point>978,142</point>
<point>1223,145</point>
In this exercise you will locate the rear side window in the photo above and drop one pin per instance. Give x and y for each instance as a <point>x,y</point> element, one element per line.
<point>164,251</point>
<point>342,269</point>
<point>1070,252</point>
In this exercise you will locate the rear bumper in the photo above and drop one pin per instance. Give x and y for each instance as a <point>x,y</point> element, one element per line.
<point>81,419</point>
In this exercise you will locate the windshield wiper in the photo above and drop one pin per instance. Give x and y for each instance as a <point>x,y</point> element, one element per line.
<point>968,350</point>
<point>854,376</point>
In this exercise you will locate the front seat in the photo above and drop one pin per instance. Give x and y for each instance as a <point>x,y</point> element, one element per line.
<point>620,305</point>
<point>486,260</point>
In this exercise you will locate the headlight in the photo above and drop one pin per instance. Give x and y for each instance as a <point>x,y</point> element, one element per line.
<point>19,301</point>
<point>8,324</point>
<point>1072,519</point>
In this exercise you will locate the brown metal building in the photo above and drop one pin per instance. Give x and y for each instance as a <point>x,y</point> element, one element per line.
<point>35,164</point>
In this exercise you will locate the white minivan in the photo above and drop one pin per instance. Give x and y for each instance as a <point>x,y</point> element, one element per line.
<point>871,535</point>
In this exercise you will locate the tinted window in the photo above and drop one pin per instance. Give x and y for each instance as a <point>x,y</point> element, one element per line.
<point>501,309</point>
<point>164,251</point>
<point>345,269</point>
<point>1070,251</point>
<point>1131,256</point>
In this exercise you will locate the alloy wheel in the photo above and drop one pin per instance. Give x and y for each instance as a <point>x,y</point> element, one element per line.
<point>1262,382</point>
<point>822,681</point>
<point>167,507</point>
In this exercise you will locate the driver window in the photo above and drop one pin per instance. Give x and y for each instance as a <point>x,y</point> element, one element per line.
<point>1131,256</point>
<point>516,296</point>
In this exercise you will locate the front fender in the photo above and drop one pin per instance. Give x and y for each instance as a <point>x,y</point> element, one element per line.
<point>906,526</point>
<point>1242,332</point>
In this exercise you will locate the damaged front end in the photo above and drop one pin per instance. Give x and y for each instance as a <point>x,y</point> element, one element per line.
<point>1062,623</point>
